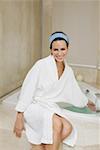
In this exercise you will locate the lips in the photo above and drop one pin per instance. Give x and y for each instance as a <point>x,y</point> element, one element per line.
<point>59,58</point>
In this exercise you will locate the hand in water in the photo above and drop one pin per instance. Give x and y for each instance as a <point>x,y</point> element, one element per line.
<point>91,105</point>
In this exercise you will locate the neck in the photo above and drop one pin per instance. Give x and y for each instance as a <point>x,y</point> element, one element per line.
<point>60,63</point>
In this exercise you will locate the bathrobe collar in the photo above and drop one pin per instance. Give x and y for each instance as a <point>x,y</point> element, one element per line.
<point>55,67</point>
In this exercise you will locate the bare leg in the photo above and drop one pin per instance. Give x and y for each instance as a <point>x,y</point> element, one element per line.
<point>67,129</point>
<point>57,129</point>
<point>62,129</point>
<point>37,147</point>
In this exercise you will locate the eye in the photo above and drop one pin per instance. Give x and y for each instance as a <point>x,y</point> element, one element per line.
<point>63,49</point>
<point>55,49</point>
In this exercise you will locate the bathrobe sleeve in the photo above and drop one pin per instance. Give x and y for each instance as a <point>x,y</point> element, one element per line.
<point>28,89</point>
<point>78,97</point>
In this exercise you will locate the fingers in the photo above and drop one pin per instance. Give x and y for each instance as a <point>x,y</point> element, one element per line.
<point>18,132</point>
<point>19,126</point>
<point>92,107</point>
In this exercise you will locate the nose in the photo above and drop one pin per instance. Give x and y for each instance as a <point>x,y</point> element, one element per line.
<point>59,52</point>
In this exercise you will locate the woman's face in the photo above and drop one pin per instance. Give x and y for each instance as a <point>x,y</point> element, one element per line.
<point>59,50</point>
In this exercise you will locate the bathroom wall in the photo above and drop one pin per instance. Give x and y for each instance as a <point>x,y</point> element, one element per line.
<point>46,19</point>
<point>20,41</point>
<point>81,21</point>
<point>25,26</point>
<point>98,75</point>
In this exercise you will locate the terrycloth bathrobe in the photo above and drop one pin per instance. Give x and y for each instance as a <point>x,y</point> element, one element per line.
<point>41,91</point>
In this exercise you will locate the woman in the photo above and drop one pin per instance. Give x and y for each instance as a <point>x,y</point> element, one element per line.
<point>49,81</point>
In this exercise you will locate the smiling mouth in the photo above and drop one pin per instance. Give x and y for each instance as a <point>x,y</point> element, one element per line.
<point>60,58</point>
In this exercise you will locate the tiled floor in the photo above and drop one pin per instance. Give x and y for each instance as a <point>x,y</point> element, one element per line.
<point>8,141</point>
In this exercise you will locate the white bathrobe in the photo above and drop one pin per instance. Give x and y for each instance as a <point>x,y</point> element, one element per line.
<point>38,99</point>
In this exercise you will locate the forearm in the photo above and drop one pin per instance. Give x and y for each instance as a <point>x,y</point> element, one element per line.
<point>90,103</point>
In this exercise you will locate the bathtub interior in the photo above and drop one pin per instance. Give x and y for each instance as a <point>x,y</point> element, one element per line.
<point>72,108</point>
<point>91,92</point>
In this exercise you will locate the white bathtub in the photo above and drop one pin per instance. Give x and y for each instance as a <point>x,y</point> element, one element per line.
<point>88,125</point>
<point>92,93</point>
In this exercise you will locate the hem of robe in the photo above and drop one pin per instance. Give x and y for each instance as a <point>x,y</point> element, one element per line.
<point>47,137</point>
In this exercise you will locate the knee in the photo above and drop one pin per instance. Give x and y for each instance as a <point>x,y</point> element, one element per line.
<point>68,128</point>
<point>57,124</point>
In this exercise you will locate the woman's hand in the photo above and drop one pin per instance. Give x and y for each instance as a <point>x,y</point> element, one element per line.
<point>91,105</point>
<point>19,125</point>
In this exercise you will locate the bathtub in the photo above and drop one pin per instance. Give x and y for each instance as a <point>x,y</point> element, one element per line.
<point>87,124</point>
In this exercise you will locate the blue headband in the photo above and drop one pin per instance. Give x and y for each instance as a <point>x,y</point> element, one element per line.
<point>58,35</point>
